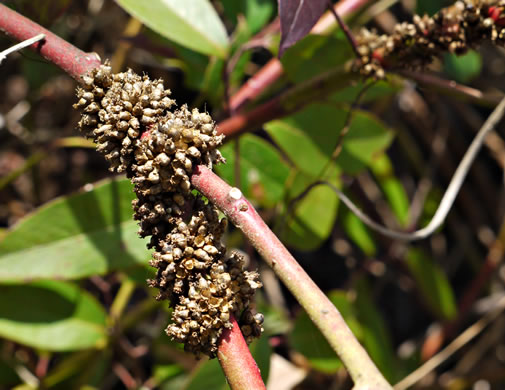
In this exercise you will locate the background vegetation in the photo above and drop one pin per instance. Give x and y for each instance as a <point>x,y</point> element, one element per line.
<point>75,311</point>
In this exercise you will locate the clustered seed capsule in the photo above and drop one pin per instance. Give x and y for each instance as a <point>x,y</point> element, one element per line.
<point>129,118</point>
<point>116,110</point>
<point>455,29</point>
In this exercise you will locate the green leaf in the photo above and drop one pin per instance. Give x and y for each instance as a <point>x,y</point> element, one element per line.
<point>392,187</point>
<point>308,340</point>
<point>314,55</point>
<point>208,375</point>
<point>256,12</point>
<point>276,319</point>
<point>379,90</point>
<point>375,334</point>
<point>315,132</point>
<point>429,7</point>
<point>291,137</point>
<point>262,352</point>
<point>357,232</point>
<point>366,141</point>
<point>262,170</point>
<point>211,88</point>
<point>314,215</point>
<point>53,316</point>
<point>191,23</point>
<point>432,283</point>
<point>463,68</point>
<point>76,236</point>
<point>308,139</point>
<point>140,274</point>
<point>165,372</point>
<point>8,376</point>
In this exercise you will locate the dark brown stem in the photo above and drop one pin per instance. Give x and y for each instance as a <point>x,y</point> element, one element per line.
<point>344,28</point>
<point>451,87</point>
<point>70,59</point>
<point>240,369</point>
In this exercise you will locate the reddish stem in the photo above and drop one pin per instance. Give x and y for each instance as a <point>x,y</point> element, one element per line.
<point>265,77</point>
<point>288,102</point>
<point>317,305</point>
<point>240,123</point>
<point>73,61</point>
<point>240,369</point>
<point>273,70</point>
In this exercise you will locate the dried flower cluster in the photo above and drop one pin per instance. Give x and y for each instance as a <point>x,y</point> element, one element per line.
<point>129,118</point>
<point>455,29</point>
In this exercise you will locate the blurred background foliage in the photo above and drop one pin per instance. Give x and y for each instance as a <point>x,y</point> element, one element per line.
<point>75,311</point>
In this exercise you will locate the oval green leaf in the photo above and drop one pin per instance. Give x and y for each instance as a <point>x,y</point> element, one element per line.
<point>262,170</point>
<point>375,337</point>
<point>191,23</point>
<point>393,189</point>
<point>315,131</point>
<point>74,237</point>
<point>314,55</point>
<point>256,12</point>
<point>432,283</point>
<point>358,232</point>
<point>463,68</point>
<point>308,340</point>
<point>310,219</point>
<point>52,316</point>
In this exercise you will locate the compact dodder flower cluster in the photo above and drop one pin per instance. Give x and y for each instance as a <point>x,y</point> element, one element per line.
<point>129,118</point>
<point>455,29</point>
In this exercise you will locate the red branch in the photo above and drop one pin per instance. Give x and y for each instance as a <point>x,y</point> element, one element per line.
<point>288,102</point>
<point>240,369</point>
<point>70,59</point>
<point>242,122</point>
<point>265,77</point>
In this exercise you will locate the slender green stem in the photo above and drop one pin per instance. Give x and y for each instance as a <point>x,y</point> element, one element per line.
<point>32,161</point>
<point>121,299</point>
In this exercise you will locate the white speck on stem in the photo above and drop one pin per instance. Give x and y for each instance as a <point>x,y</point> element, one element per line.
<point>88,187</point>
<point>235,193</point>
